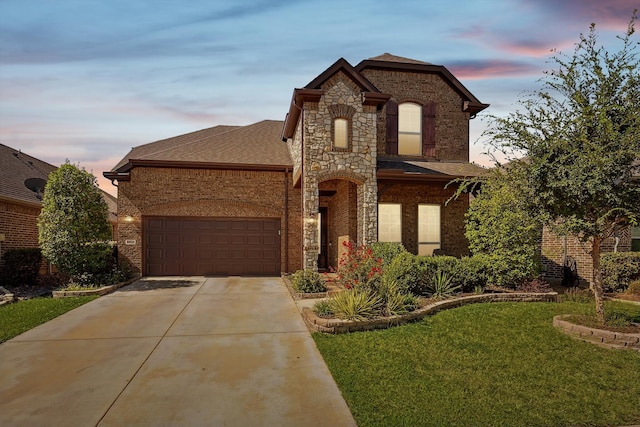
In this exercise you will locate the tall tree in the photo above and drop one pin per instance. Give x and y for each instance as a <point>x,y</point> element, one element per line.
<point>73,223</point>
<point>578,141</point>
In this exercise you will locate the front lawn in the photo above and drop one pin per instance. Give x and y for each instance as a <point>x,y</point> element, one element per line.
<point>21,316</point>
<point>499,364</point>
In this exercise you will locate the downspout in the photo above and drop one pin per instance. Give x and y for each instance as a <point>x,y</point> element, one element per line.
<point>286,220</point>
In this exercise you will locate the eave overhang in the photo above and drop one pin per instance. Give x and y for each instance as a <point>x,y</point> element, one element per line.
<point>400,175</point>
<point>124,172</point>
<point>471,104</point>
<point>300,96</point>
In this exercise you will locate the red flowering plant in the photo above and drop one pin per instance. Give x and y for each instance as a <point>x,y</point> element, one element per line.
<point>359,268</point>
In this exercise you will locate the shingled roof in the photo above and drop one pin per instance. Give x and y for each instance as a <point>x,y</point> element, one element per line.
<point>258,144</point>
<point>15,168</point>
<point>393,168</point>
<point>387,57</point>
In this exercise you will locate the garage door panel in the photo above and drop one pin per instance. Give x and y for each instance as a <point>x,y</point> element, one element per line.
<point>219,246</point>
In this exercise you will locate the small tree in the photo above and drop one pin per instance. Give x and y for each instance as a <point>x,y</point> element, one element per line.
<point>73,223</point>
<point>580,135</point>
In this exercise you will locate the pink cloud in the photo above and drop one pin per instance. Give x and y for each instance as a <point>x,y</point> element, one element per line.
<point>481,69</point>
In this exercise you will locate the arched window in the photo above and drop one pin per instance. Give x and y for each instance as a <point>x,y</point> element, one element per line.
<point>340,133</point>
<point>410,129</point>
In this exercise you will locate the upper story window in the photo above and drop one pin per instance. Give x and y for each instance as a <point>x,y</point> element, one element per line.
<point>341,133</point>
<point>341,124</point>
<point>409,129</point>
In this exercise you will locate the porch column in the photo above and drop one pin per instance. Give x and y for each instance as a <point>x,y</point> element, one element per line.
<point>368,212</point>
<point>310,203</point>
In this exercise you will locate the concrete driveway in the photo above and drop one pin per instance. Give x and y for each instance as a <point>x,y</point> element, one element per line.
<point>172,352</point>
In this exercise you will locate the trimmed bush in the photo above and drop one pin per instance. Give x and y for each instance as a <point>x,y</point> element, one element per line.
<point>471,274</point>
<point>406,270</point>
<point>619,269</point>
<point>308,281</point>
<point>21,266</point>
<point>386,251</point>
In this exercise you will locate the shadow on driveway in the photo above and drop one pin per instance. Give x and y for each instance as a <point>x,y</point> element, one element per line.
<point>153,284</point>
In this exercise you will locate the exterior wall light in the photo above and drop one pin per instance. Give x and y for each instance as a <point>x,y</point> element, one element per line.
<point>128,218</point>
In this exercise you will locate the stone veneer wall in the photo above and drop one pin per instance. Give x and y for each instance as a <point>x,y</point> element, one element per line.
<point>206,193</point>
<point>322,163</point>
<point>452,124</point>
<point>453,241</point>
<point>553,253</point>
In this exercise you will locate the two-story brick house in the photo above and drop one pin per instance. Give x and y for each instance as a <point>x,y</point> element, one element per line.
<point>364,154</point>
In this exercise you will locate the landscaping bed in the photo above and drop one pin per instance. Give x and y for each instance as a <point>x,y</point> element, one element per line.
<point>337,326</point>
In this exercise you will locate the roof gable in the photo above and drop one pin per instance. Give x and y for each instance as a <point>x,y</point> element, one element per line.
<point>342,65</point>
<point>391,62</point>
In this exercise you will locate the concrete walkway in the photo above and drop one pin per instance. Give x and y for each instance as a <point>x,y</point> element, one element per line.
<point>172,352</point>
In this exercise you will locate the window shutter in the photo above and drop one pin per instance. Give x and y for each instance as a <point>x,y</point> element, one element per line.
<point>392,127</point>
<point>429,129</point>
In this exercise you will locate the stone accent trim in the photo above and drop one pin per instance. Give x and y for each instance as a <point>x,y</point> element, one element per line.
<point>339,326</point>
<point>600,337</point>
<point>98,291</point>
<point>6,297</point>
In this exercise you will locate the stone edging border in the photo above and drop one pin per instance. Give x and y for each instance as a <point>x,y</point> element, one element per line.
<point>339,326</point>
<point>98,291</point>
<point>597,336</point>
<point>6,297</point>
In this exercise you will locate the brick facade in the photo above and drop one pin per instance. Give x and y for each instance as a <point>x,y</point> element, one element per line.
<point>19,224</point>
<point>410,195</point>
<point>207,193</point>
<point>553,253</point>
<point>452,124</point>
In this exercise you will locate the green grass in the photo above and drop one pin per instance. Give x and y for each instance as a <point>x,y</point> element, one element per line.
<point>24,315</point>
<point>500,364</point>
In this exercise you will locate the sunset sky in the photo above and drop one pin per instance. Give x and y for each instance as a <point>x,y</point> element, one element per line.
<point>87,80</point>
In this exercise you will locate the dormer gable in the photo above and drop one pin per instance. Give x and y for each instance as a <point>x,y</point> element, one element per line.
<point>390,62</point>
<point>313,91</point>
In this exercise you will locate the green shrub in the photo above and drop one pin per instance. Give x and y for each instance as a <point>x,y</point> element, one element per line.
<point>323,308</point>
<point>308,281</point>
<point>21,266</point>
<point>355,304</point>
<point>407,271</point>
<point>619,269</point>
<point>445,264</point>
<point>386,251</point>
<point>634,288</point>
<point>471,274</point>
<point>508,271</point>
<point>394,301</point>
<point>441,285</point>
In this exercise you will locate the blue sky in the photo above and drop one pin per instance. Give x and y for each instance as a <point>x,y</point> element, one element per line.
<point>87,80</point>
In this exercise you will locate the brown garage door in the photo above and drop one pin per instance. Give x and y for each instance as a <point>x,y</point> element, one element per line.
<point>176,246</point>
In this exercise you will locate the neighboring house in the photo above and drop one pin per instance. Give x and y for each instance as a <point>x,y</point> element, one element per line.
<point>364,154</point>
<point>22,181</point>
<point>556,250</point>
